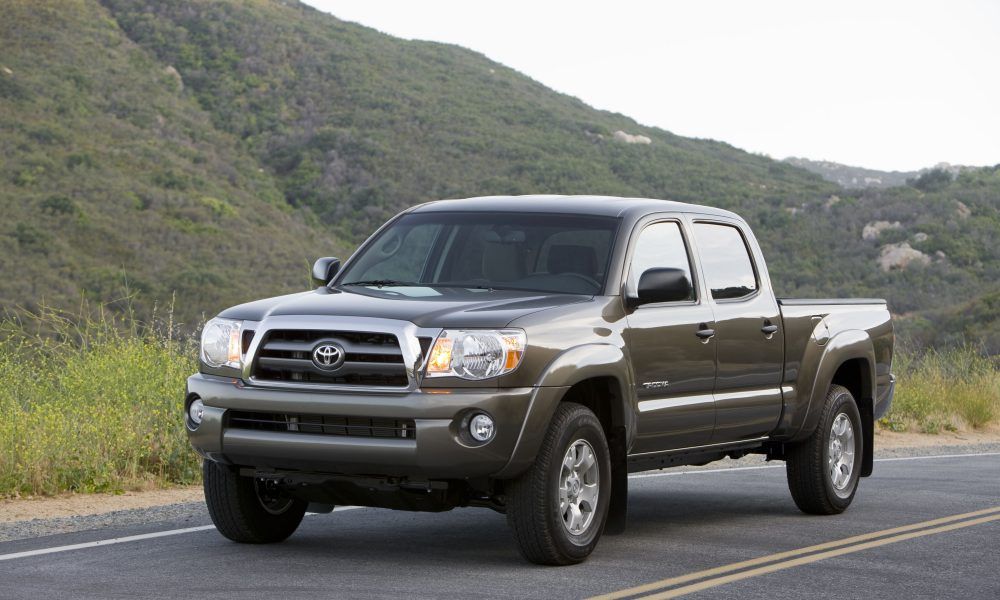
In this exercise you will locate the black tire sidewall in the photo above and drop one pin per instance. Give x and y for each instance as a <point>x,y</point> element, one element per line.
<point>844,403</point>
<point>583,425</point>
<point>236,509</point>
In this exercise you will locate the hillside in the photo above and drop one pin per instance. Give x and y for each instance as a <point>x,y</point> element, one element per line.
<point>213,148</point>
<point>357,124</point>
<point>111,170</point>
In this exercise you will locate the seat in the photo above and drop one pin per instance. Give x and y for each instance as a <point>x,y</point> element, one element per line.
<point>502,262</point>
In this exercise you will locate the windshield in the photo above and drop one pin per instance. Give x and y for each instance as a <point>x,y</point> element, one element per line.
<point>521,251</point>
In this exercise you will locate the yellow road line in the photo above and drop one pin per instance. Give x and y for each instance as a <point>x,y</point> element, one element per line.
<point>710,583</point>
<point>656,585</point>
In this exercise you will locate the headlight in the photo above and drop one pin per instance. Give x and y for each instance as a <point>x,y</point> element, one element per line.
<point>221,345</point>
<point>476,353</point>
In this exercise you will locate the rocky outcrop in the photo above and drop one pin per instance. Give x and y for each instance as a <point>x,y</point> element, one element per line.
<point>873,230</point>
<point>628,138</point>
<point>176,76</point>
<point>901,256</point>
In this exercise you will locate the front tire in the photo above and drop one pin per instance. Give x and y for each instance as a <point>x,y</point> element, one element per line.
<point>249,510</point>
<point>557,509</point>
<point>824,470</point>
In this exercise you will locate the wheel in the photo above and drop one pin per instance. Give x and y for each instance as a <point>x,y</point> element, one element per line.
<point>824,470</point>
<point>558,507</point>
<point>247,509</point>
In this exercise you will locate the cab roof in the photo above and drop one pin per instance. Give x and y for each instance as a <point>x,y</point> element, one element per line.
<point>608,206</point>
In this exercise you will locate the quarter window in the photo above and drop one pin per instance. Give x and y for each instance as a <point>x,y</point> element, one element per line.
<point>660,245</point>
<point>726,260</point>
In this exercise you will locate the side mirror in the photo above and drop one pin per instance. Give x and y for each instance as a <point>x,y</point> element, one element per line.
<point>324,269</point>
<point>662,285</point>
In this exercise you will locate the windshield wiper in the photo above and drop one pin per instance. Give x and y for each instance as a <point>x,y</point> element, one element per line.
<point>381,283</point>
<point>465,285</point>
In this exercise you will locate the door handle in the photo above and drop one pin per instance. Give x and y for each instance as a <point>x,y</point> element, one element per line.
<point>705,332</point>
<point>768,328</point>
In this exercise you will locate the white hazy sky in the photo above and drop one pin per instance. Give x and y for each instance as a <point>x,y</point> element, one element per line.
<point>878,83</point>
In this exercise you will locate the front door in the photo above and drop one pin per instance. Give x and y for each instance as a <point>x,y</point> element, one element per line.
<point>674,367</point>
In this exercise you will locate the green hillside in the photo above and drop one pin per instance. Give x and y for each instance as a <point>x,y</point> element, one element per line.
<point>207,146</point>
<point>358,125</point>
<point>110,167</point>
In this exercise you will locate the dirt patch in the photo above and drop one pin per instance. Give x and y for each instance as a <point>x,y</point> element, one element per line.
<point>891,439</point>
<point>72,505</point>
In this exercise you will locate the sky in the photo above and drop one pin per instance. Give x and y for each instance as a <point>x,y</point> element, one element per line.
<point>882,84</point>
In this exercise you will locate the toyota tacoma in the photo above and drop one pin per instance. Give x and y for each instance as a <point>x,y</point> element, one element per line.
<point>525,354</point>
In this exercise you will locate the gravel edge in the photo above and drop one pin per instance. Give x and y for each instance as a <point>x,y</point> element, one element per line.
<point>193,513</point>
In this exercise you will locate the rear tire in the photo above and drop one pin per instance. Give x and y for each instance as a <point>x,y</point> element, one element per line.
<point>246,510</point>
<point>824,470</point>
<point>558,507</point>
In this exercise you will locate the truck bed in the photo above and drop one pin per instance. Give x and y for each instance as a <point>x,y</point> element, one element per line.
<point>819,301</point>
<point>813,326</point>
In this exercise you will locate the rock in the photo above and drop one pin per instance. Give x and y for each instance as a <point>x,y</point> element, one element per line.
<point>628,138</point>
<point>963,211</point>
<point>940,255</point>
<point>831,201</point>
<point>873,230</point>
<point>172,72</point>
<point>7,71</point>
<point>900,256</point>
<point>920,237</point>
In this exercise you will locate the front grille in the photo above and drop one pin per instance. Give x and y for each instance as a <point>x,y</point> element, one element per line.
<point>370,427</point>
<point>371,359</point>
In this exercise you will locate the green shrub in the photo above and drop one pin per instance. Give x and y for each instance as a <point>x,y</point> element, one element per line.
<point>91,404</point>
<point>941,389</point>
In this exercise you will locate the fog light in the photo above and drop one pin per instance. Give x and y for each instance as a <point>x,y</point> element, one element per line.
<point>196,410</point>
<point>481,428</point>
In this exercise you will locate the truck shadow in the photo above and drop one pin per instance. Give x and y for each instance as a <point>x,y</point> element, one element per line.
<point>480,537</point>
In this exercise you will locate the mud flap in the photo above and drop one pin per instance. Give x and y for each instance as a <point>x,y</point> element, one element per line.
<point>868,438</point>
<point>618,507</point>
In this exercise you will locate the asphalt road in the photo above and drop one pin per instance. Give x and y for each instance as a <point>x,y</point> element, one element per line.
<point>679,524</point>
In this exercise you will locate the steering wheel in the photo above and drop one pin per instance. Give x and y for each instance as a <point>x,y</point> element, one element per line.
<point>589,280</point>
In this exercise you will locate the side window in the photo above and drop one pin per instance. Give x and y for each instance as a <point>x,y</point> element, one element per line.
<point>660,245</point>
<point>726,260</point>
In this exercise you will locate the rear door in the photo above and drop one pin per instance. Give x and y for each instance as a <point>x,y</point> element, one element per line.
<point>748,339</point>
<point>674,368</point>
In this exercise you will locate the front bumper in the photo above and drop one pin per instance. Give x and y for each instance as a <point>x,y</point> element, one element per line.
<point>436,452</point>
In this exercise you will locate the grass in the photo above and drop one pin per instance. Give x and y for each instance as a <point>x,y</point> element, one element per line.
<point>944,390</point>
<point>93,403</point>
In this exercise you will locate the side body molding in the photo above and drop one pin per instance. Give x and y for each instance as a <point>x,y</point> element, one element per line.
<point>566,370</point>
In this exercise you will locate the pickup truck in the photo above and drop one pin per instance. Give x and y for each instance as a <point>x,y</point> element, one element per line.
<point>525,354</point>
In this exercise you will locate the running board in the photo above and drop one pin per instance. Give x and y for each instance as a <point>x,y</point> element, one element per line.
<point>698,455</point>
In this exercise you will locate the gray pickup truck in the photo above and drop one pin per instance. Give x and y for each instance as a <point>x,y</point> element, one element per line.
<point>526,354</point>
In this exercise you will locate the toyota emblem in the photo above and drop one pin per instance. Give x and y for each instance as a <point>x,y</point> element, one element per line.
<point>328,356</point>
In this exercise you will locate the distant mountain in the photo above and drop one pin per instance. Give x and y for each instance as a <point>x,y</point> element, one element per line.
<point>211,149</point>
<point>860,177</point>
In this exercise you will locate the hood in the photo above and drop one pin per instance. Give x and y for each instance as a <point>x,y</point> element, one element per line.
<point>422,306</point>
